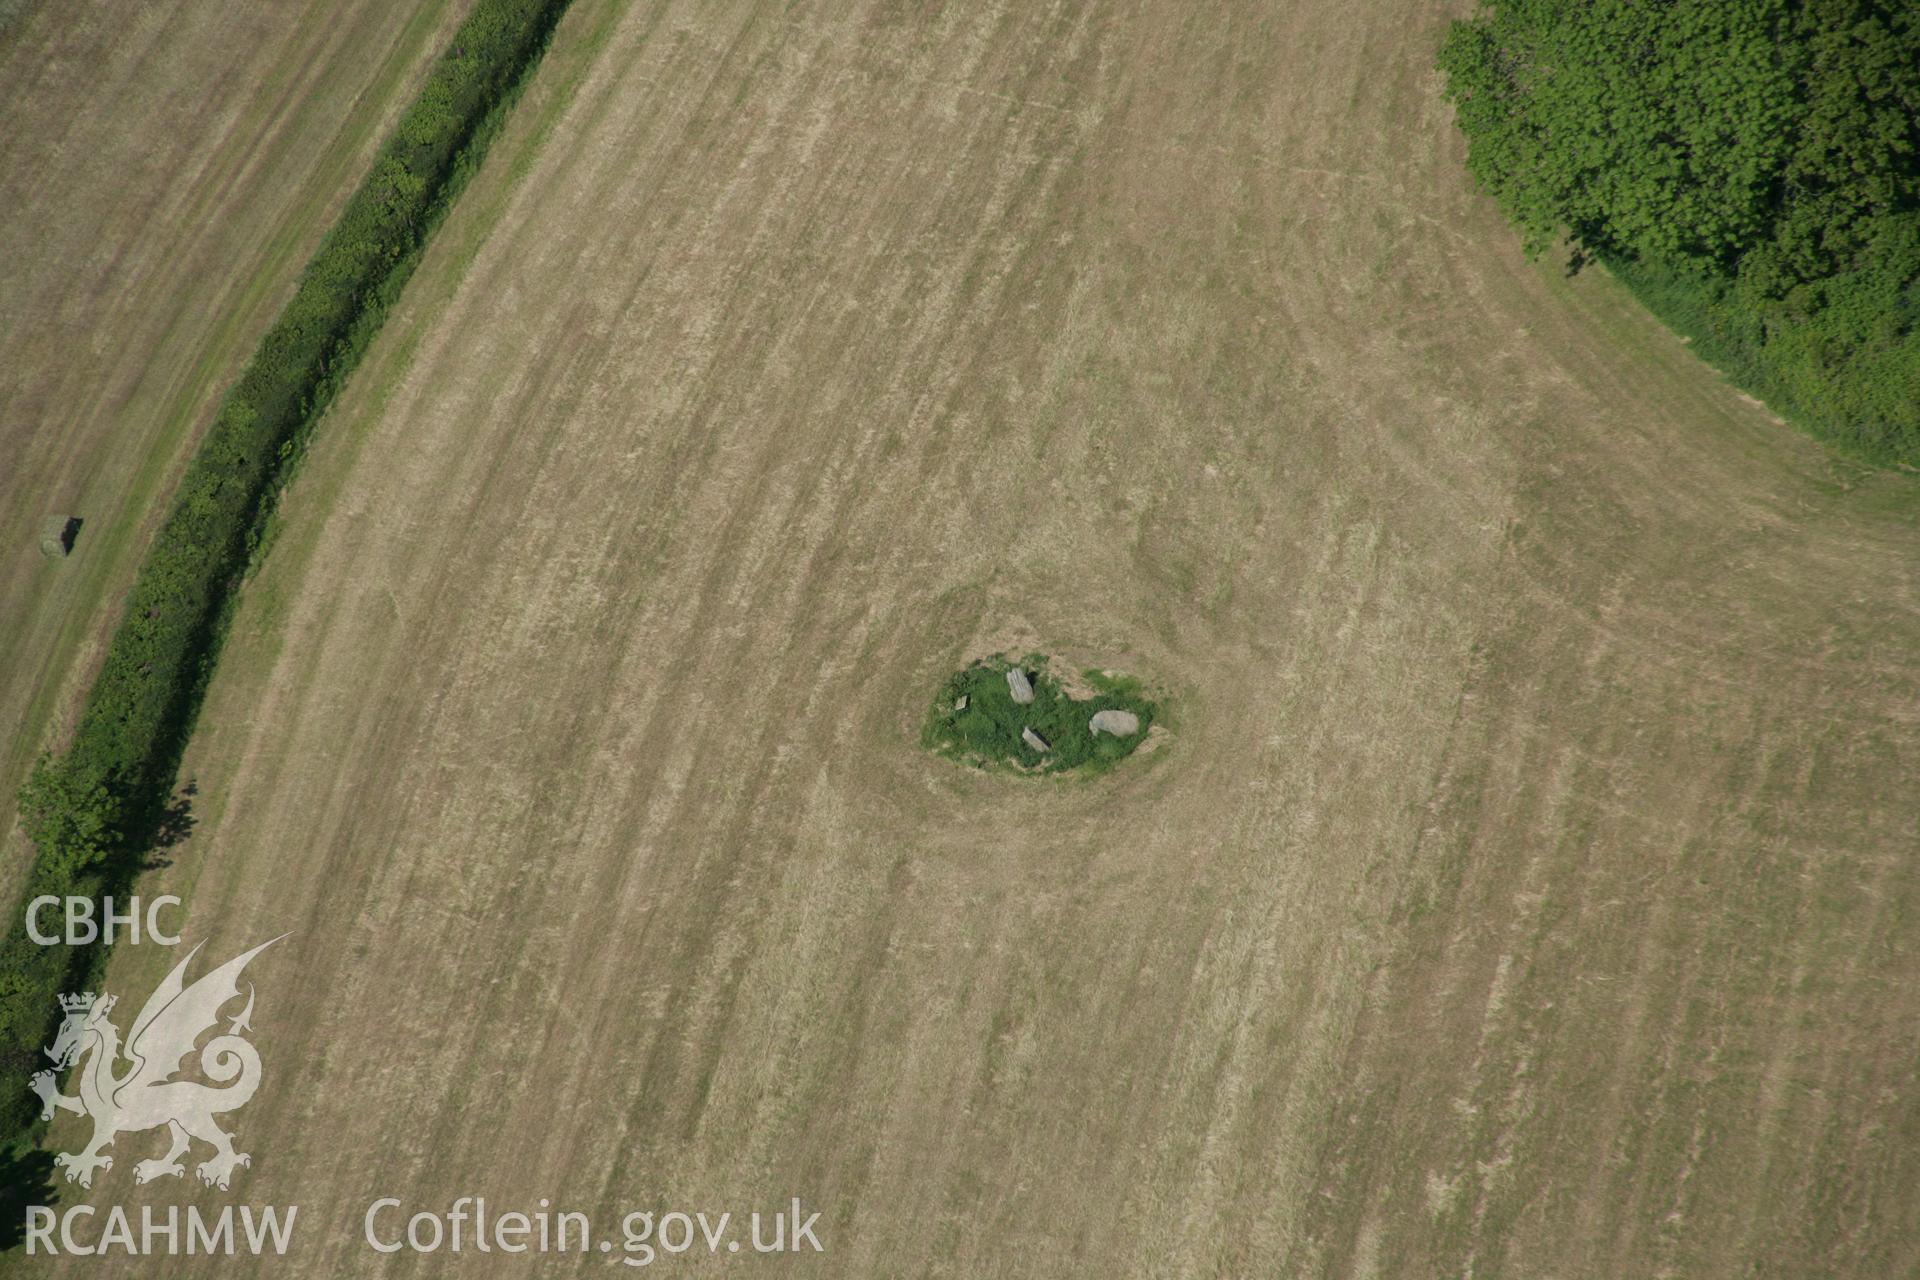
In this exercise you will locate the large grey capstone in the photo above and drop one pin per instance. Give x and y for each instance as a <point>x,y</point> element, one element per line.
<point>1120,724</point>
<point>1019,686</point>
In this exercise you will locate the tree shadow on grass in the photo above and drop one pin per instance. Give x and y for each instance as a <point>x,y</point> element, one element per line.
<point>26,1179</point>
<point>172,824</point>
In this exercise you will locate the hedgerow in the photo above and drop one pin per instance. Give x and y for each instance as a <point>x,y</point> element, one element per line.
<point>93,811</point>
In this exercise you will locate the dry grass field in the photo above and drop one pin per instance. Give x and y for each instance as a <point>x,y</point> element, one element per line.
<point>164,172</point>
<point>1526,888</point>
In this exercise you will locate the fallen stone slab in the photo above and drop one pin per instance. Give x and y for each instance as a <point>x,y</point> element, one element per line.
<point>1019,686</point>
<point>1121,724</point>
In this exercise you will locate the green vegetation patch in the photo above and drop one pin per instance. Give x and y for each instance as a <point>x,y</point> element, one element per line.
<point>976,719</point>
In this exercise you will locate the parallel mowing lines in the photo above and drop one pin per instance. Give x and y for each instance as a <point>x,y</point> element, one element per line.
<point>95,812</point>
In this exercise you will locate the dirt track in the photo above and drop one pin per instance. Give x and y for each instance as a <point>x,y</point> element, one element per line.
<point>1527,888</point>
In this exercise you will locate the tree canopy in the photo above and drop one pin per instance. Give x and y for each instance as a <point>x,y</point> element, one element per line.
<point>1768,150</point>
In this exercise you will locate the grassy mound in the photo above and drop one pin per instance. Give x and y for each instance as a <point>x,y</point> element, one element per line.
<point>974,719</point>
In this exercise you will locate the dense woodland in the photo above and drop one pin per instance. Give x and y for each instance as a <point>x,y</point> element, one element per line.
<point>1750,168</point>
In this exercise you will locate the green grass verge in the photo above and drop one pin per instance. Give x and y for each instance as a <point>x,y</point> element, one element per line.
<point>1855,386</point>
<point>974,719</point>
<point>93,812</point>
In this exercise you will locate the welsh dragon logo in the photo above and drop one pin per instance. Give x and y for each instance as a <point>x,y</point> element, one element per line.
<point>145,1095</point>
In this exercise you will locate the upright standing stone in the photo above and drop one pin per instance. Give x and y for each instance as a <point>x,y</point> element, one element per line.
<point>1034,740</point>
<point>1019,686</point>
